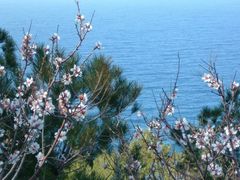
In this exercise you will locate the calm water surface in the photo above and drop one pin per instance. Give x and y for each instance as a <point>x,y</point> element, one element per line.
<point>144,38</point>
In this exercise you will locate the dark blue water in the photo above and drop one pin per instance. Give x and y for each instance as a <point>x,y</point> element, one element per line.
<point>144,38</point>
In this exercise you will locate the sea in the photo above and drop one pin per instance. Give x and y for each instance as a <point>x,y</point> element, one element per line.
<point>145,38</point>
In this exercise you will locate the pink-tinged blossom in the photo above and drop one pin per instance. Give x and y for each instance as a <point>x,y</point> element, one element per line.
<point>49,107</point>
<point>40,103</point>
<point>63,101</point>
<point>219,147</point>
<point>67,79</point>
<point>33,148</point>
<point>55,37</point>
<point>40,158</point>
<point>62,136</point>
<point>67,126</point>
<point>46,49</point>
<point>41,94</point>
<point>20,91</point>
<point>169,110</point>
<point>16,104</point>
<point>182,124</point>
<point>35,105</point>
<point>76,70</point>
<point>6,103</point>
<point>87,27</point>
<point>83,98</point>
<point>207,77</point>
<point>236,142</point>
<point>17,122</point>
<point>28,82</point>
<point>234,86</point>
<point>98,45</point>
<point>206,157</point>
<point>138,133</point>
<point>28,49</point>
<point>35,122</point>
<point>78,112</point>
<point>204,137</point>
<point>212,81</point>
<point>58,61</point>
<point>214,169</point>
<point>233,144</point>
<point>230,131</point>
<point>134,166</point>
<point>32,135</point>
<point>200,144</point>
<point>174,94</point>
<point>14,158</point>
<point>79,18</point>
<point>154,124</point>
<point>2,71</point>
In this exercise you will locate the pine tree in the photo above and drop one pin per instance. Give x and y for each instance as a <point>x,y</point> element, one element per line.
<point>110,94</point>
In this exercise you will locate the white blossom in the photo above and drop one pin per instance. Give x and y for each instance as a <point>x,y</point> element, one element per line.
<point>235,86</point>
<point>2,131</point>
<point>28,82</point>
<point>62,136</point>
<point>139,114</point>
<point>55,37</point>
<point>154,124</point>
<point>28,49</point>
<point>218,147</point>
<point>182,124</point>
<point>212,81</point>
<point>230,131</point>
<point>34,147</point>
<point>206,157</point>
<point>40,158</point>
<point>98,45</point>
<point>13,158</point>
<point>88,27</point>
<point>20,91</point>
<point>2,71</point>
<point>63,101</point>
<point>47,50</point>
<point>79,112</point>
<point>83,98</point>
<point>174,94</point>
<point>1,164</point>
<point>169,110</point>
<point>79,18</point>
<point>58,61</point>
<point>76,70</point>
<point>35,122</point>
<point>6,103</point>
<point>67,79</point>
<point>49,107</point>
<point>215,169</point>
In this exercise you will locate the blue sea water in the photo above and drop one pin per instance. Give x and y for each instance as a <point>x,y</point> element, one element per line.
<point>144,38</point>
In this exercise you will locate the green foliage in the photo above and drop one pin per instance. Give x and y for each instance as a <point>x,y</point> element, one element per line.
<point>43,67</point>
<point>111,94</point>
<point>9,61</point>
<point>213,115</point>
<point>115,165</point>
<point>209,115</point>
<point>7,56</point>
<point>111,90</point>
